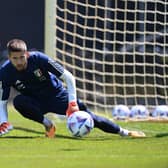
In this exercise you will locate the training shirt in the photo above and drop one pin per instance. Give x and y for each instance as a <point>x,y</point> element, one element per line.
<point>39,80</point>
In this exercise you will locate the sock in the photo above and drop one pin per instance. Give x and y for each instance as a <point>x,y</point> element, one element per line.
<point>123,132</point>
<point>47,122</point>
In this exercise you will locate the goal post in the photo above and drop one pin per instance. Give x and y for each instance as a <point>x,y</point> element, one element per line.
<point>116,49</point>
<point>49,28</point>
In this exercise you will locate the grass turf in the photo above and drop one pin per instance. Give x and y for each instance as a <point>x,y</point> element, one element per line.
<point>26,146</point>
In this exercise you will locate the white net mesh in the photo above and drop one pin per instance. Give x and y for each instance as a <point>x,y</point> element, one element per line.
<point>117,50</point>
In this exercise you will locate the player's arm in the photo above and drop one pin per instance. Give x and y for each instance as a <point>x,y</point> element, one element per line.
<point>56,69</point>
<point>3,111</point>
<point>4,95</point>
<point>69,80</point>
<point>5,126</point>
<point>71,86</point>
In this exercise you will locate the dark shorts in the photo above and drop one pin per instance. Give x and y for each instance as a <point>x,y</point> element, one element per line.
<point>55,104</point>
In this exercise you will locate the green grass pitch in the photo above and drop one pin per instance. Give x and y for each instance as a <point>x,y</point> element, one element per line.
<point>26,147</point>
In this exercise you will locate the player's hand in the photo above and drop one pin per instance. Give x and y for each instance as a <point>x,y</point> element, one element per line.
<point>5,127</point>
<point>72,107</point>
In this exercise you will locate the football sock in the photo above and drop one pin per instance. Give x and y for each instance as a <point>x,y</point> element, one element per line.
<point>47,122</point>
<point>123,132</point>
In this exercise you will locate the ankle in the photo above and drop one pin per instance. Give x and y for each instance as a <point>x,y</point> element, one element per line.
<point>124,132</point>
<point>47,122</point>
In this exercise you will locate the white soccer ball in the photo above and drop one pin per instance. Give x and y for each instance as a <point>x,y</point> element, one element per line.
<point>160,111</point>
<point>120,111</point>
<point>139,111</point>
<point>80,123</point>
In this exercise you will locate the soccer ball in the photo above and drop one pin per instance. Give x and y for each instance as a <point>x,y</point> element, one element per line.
<point>160,111</point>
<point>120,112</point>
<point>80,123</point>
<point>139,111</point>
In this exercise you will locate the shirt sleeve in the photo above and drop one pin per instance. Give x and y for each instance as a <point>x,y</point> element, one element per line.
<point>71,85</point>
<point>52,66</point>
<point>4,88</point>
<point>56,69</point>
<point>4,95</point>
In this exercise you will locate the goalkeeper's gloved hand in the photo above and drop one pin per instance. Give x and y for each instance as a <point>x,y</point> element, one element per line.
<point>72,107</point>
<point>5,127</point>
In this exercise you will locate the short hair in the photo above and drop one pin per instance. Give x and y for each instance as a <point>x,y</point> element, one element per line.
<point>16,45</point>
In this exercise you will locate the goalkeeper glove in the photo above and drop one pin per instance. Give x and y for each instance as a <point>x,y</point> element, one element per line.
<point>72,107</point>
<point>5,127</point>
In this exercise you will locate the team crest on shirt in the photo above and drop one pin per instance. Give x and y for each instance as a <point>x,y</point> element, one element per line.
<point>38,73</point>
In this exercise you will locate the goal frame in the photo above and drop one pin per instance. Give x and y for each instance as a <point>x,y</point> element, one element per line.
<point>144,86</point>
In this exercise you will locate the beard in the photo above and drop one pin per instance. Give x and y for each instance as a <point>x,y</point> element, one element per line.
<point>21,67</point>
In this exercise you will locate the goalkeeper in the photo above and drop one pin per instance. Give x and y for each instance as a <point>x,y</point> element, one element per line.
<point>38,79</point>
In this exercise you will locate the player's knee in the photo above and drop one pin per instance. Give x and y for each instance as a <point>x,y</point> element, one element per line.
<point>17,101</point>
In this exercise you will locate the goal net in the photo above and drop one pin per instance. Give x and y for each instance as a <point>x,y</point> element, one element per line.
<point>116,49</point>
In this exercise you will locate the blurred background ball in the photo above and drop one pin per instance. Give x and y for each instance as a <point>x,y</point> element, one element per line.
<point>139,111</point>
<point>120,111</point>
<point>160,111</point>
